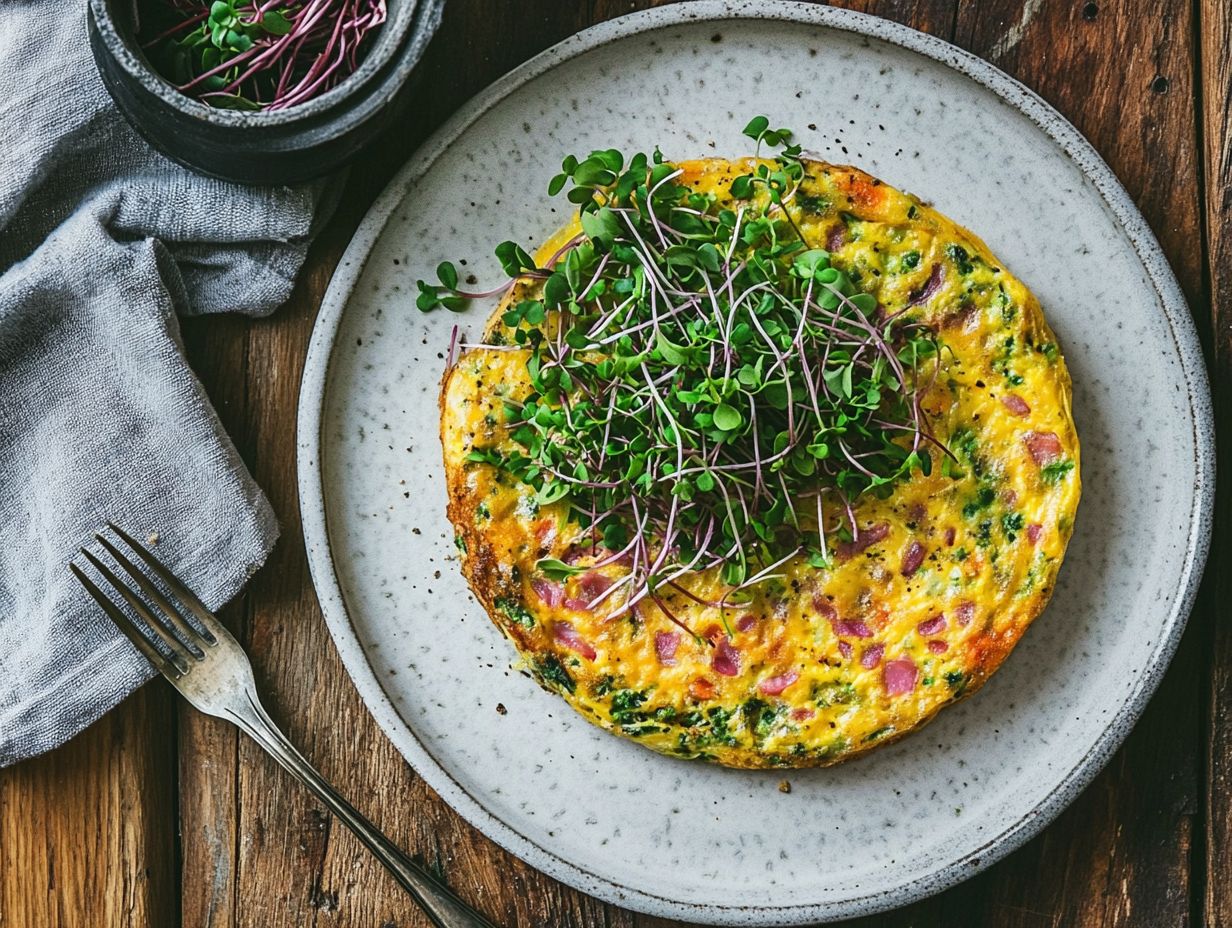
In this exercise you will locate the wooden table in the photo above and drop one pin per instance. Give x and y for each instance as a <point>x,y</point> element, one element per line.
<point>158,816</point>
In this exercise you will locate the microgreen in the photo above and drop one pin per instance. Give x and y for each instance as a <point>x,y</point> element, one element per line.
<point>706,388</point>
<point>555,569</point>
<point>250,55</point>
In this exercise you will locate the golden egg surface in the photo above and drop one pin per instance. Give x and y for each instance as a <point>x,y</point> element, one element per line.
<point>821,664</point>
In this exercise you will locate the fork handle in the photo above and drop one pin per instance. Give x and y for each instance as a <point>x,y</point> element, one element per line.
<point>443,908</point>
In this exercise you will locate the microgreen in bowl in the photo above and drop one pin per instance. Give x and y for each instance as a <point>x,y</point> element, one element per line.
<point>252,55</point>
<point>707,389</point>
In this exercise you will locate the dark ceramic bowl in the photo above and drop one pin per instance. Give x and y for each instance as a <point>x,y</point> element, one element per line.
<point>284,146</point>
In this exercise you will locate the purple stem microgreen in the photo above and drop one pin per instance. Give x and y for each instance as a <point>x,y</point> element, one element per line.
<point>249,56</point>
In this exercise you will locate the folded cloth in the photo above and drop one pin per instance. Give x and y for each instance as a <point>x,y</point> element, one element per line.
<point>102,243</point>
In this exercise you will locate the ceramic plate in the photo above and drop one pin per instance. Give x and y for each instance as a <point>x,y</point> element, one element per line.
<point>683,839</point>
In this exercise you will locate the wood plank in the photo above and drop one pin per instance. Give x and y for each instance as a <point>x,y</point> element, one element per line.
<point>87,831</point>
<point>207,796</point>
<point>208,748</point>
<point>1215,55</point>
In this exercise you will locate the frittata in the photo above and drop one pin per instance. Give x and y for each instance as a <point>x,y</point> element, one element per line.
<point>914,604</point>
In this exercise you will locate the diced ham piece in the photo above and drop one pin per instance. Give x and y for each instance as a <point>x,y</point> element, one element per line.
<point>1015,404</point>
<point>566,634</point>
<point>772,686</point>
<point>1034,530</point>
<point>593,584</point>
<point>844,648</point>
<point>836,237</point>
<point>550,592</point>
<point>666,644</point>
<point>872,656</point>
<point>899,676</point>
<point>966,317</point>
<point>935,279</point>
<point>824,608</point>
<point>1044,447</point>
<point>937,646</point>
<point>950,535</point>
<point>913,557</point>
<point>803,714</point>
<point>964,612</point>
<point>590,585</point>
<point>863,541</point>
<point>851,628</point>
<point>745,622</point>
<point>932,626</point>
<point>726,659</point>
<point>701,688</point>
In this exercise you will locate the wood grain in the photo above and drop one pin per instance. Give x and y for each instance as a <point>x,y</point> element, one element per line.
<point>84,836</point>
<point>256,850</point>
<point>208,747</point>
<point>1215,109</point>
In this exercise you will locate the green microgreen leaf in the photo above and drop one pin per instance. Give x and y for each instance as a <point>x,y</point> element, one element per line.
<point>602,226</point>
<point>275,23</point>
<point>727,418</point>
<point>757,125</point>
<point>513,260</point>
<point>553,569</point>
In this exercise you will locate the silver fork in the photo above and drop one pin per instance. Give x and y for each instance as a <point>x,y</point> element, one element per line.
<point>210,669</point>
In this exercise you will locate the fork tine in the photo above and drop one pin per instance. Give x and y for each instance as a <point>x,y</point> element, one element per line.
<point>188,634</point>
<point>152,654</point>
<point>180,656</point>
<point>209,622</point>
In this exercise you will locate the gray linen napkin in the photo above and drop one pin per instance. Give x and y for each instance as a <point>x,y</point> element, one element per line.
<point>102,242</point>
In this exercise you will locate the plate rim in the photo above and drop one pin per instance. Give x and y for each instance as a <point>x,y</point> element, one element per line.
<point>314,382</point>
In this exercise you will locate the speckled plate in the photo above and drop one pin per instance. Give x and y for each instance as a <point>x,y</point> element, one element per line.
<point>684,839</point>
